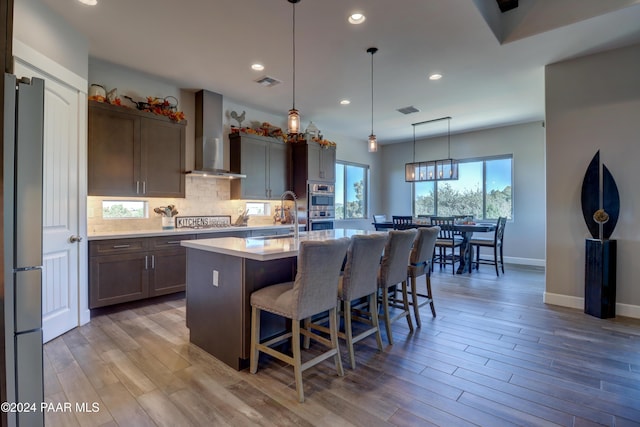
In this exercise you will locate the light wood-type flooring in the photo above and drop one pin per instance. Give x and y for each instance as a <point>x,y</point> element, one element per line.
<point>494,356</point>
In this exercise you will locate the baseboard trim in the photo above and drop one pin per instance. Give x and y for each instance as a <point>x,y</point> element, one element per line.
<point>626,310</point>
<point>525,261</point>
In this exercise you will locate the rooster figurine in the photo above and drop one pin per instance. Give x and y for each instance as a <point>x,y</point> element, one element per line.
<point>238,118</point>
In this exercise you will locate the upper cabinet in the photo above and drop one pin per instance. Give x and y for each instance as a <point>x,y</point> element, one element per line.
<point>265,162</point>
<point>312,162</point>
<point>134,153</point>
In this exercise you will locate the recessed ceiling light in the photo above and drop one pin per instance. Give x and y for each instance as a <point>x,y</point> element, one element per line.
<point>357,18</point>
<point>257,67</point>
<point>435,76</point>
<point>89,2</point>
<point>345,102</point>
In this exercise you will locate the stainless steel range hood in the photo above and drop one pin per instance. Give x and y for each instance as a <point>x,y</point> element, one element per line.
<point>209,150</point>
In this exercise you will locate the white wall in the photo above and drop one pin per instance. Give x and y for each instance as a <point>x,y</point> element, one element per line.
<point>524,234</point>
<point>43,30</point>
<point>592,103</point>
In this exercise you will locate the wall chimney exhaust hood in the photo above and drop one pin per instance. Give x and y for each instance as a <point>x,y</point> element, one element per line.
<point>209,150</point>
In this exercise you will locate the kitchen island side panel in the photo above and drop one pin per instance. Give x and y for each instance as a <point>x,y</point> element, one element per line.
<point>219,317</point>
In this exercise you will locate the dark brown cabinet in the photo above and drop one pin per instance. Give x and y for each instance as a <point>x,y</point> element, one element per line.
<point>265,162</point>
<point>122,270</point>
<point>134,153</point>
<point>312,162</point>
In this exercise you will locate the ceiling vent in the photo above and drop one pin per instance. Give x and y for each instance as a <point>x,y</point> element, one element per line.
<point>267,81</point>
<point>408,110</point>
<point>507,5</point>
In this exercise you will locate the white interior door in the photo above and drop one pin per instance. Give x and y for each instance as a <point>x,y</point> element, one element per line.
<point>60,310</point>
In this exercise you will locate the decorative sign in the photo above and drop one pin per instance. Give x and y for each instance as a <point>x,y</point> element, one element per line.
<point>203,221</point>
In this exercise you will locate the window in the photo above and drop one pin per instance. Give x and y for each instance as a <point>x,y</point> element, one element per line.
<point>483,190</point>
<point>352,189</point>
<point>121,209</point>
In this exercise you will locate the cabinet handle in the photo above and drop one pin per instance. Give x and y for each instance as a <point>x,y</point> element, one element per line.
<point>146,260</point>
<point>173,242</point>
<point>153,262</point>
<point>121,246</point>
<point>137,187</point>
<point>144,187</point>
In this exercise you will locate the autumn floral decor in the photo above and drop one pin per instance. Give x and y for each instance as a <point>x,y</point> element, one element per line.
<point>267,129</point>
<point>167,106</point>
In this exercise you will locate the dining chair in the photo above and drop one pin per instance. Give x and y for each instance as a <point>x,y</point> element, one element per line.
<point>357,282</point>
<point>379,219</point>
<point>402,222</point>
<point>393,272</point>
<point>496,243</point>
<point>448,240</point>
<point>313,292</point>
<point>420,265</point>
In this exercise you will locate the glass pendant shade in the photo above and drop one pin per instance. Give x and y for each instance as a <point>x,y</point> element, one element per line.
<point>293,121</point>
<point>373,143</point>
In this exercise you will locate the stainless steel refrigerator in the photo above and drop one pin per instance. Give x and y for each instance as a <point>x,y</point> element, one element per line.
<point>23,151</point>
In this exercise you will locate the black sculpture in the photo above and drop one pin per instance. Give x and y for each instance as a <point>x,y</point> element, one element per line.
<point>595,214</point>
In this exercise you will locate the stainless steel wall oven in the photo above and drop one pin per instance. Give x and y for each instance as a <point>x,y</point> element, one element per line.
<point>321,206</point>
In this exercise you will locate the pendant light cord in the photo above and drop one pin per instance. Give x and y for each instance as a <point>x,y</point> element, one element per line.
<point>449,138</point>
<point>294,56</point>
<point>372,92</point>
<point>414,143</point>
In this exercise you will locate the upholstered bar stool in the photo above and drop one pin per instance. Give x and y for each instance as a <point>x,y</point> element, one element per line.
<point>393,271</point>
<point>314,291</point>
<point>420,265</point>
<point>359,280</point>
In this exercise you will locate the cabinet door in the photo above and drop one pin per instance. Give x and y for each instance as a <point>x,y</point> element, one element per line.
<point>328,164</point>
<point>278,172</point>
<point>168,271</point>
<point>313,162</point>
<point>118,278</point>
<point>163,158</point>
<point>255,155</point>
<point>113,153</point>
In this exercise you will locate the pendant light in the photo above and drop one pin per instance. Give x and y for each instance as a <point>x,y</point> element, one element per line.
<point>432,170</point>
<point>293,119</point>
<point>372,143</point>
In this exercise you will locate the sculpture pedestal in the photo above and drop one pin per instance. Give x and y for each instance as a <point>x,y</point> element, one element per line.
<point>600,278</point>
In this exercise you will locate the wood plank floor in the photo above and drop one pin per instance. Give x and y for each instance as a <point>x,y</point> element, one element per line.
<point>494,356</point>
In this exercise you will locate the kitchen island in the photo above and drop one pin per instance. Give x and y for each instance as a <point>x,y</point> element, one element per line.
<point>221,275</point>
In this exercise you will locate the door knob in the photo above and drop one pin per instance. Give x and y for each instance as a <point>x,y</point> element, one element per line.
<point>75,239</point>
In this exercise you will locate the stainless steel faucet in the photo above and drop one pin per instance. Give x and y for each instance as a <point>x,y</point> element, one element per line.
<point>296,231</point>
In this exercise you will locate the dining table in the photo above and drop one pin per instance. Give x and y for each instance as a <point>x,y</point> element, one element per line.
<point>465,229</point>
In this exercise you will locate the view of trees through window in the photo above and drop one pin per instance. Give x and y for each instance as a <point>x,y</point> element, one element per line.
<point>123,209</point>
<point>482,190</point>
<point>351,191</point>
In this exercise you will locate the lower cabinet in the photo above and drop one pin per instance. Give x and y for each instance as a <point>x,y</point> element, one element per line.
<point>122,270</point>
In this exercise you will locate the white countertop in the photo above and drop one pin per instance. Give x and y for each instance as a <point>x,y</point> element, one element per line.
<point>178,231</point>
<point>269,247</point>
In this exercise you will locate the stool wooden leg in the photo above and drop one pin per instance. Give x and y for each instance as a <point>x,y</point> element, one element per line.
<point>333,328</point>
<point>385,310</point>
<point>414,301</point>
<point>405,304</point>
<point>429,295</point>
<point>255,336</point>
<point>297,364</point>
<point>373,308</point>
<point>348,333</point>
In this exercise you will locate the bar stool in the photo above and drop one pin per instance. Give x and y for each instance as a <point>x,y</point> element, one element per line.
<point>420,265</point>
<point>359,281</point>
<point>313,292</point>
<point>393,271</point>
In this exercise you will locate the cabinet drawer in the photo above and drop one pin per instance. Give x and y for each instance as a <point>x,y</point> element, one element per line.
<point>116,246</point>
<point>168,242</point>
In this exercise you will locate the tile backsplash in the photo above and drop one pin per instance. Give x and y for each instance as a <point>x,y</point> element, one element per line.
<point>203,196</point>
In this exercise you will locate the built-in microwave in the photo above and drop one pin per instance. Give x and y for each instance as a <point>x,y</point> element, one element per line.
<point>321,195</point>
